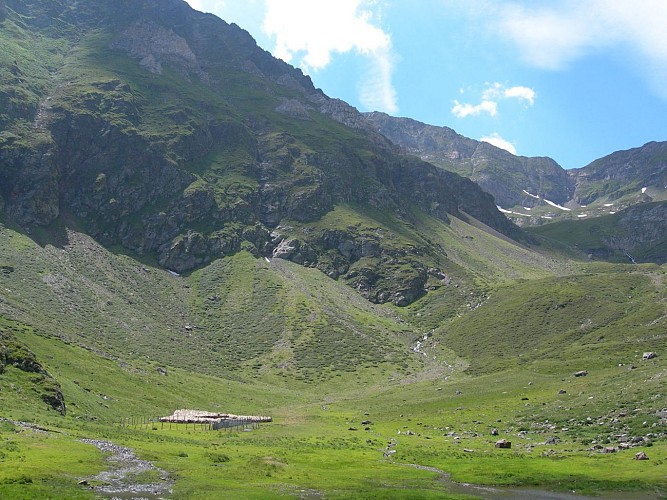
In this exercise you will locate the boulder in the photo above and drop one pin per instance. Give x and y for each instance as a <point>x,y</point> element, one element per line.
<point>641,456</point>
<point>581,373</point>
<point>503,443</point>
<point>649,355</point>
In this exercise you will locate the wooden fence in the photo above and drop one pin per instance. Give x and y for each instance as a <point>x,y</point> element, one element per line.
<point>157,423</point>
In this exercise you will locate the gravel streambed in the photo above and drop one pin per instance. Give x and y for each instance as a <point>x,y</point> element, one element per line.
<point>123,480</point>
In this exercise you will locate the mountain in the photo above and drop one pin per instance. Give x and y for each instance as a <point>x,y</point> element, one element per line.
<point>170,133</point>
<point>186,222</point>
<point>637,175</point>
<point>506,176</point>
<point>618,179</point>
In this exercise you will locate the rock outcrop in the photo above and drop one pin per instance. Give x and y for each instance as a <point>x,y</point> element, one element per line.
<point>16,355</point>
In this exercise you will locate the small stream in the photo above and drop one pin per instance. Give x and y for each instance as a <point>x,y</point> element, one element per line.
<point>121,482</point>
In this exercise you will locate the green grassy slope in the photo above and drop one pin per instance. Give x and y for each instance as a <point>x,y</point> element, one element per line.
<point>635,233</point>
<point>280,339</point>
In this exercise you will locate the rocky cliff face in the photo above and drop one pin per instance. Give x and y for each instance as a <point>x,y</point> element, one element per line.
<point>169,132</point>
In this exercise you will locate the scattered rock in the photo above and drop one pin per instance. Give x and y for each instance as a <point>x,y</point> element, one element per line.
<point>641,456</point>
<point>6,270</point>
<point>581,373</point>
<point>503,443</point>
<point>649,355</point>
<point>552,440</point>
<point>562,391</point>
<point>494,432</point>
<point>161,371</point>
<point>609,449</point>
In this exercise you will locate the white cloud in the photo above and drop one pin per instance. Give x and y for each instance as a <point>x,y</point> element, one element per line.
<point>213,6</point>
<point>377,91</point>
<point>498,91</point>
<point>309,33</point>
<point>462,110</point>
<point>552,35</point>
<point>490,96</point>
<point>499,142</point>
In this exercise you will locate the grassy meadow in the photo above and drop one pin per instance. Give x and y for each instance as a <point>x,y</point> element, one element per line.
<point>368,401</point>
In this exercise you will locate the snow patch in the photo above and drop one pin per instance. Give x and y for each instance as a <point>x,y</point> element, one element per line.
<point>582,215</point>
<point>533,195</point>
<point>501,209</point>
<point>527,208</point>
<point>547,217</point>
<point>267,260</point>
<point>643,190</point>
<point>557,205</point>
<point>612,213</point>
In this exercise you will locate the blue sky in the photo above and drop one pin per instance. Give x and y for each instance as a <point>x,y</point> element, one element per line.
<point>571,79</point>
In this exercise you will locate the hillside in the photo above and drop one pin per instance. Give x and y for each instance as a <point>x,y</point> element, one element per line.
<point>636,234</point>
<point>186,222</point>
<point>123,341</point>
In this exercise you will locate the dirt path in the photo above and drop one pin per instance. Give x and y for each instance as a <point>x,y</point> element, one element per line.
<point>123,479</point>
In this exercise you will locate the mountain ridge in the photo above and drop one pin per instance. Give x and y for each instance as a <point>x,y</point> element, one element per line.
<point>513,179</point>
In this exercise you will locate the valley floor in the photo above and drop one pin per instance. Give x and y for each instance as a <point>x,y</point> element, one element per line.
<point>367,401</point>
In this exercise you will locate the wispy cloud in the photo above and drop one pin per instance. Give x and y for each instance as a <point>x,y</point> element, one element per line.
<point>552,35</point>
<point>492,94</point>
<point>499,142</point>
<point>309,34</point>
<point>376,89</point>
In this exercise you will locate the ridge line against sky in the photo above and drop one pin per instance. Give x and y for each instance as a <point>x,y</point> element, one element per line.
<point>571,79</point>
